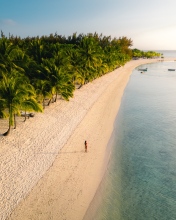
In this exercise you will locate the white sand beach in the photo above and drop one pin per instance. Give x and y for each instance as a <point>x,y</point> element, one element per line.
<point>44,171</point>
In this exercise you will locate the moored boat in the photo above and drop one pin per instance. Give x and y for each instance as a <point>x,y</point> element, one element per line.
<point>145,69</point>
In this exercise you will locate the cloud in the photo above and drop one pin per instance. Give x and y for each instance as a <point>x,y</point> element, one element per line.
<point>9,22</point>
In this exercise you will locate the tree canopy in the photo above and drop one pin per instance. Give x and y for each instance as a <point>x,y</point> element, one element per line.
<point>34,69</point>
<point>144,54</point>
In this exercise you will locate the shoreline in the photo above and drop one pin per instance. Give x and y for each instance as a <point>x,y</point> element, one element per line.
<point>64,188</point>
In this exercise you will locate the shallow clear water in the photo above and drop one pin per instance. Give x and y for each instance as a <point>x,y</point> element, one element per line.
<point>140,182</point>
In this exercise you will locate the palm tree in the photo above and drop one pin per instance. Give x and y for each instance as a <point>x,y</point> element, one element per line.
<point>29,103</point>
<point>58,79</point>
<point>14,93</point>
<point>36,50</point>
<point>110,58</point>
<point>90,56</point>
<point>3,113</point>
<point>9,56</point>
<point>73,67</point>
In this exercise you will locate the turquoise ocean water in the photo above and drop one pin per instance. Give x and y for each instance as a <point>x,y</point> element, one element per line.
<point>140,181</point>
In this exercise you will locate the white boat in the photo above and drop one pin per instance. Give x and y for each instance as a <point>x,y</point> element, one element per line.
<point>145,69</point>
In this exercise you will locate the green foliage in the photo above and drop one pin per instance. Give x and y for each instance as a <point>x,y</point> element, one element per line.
<point>14,93</point>
<point>39,68</point>
<point>141,54</point>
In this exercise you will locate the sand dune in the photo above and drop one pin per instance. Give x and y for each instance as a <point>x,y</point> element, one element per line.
<point>44,171</point>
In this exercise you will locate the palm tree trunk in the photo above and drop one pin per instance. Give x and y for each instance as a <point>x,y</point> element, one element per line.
<point>80,86</point>
<point>55,98</point>
<point>8,131</point>
<point>10,121</point>
<point>25,116</point>
<point>49,102</point>
<point>43,103</point>
<point>14,121</point>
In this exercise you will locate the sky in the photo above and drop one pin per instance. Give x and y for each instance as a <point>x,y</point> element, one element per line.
<point>150,24</point>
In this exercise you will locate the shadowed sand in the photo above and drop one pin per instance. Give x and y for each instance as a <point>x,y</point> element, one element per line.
<point>45,173</point>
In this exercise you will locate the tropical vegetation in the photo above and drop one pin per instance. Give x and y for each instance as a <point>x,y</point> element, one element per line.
<point>36,70</point>
<point>145,54</point>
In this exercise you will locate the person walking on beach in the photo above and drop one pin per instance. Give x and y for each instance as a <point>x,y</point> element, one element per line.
<point>85,143</point>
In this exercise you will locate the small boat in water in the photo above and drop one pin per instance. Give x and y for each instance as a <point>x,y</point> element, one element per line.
<point>145,69</point>
<point>171,69</point>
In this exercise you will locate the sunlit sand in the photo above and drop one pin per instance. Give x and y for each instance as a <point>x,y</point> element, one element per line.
<point>45,172</point>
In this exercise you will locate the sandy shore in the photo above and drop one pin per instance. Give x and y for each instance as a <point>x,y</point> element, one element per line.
<point>44,171</point>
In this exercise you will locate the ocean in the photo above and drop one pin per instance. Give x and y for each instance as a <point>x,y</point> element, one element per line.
<point>167,53</point>
<point>140,180</point>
